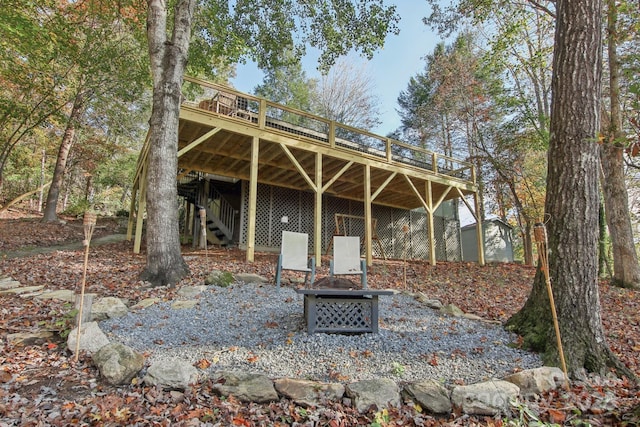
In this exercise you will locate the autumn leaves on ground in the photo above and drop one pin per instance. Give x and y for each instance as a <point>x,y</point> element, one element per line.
<point>40,384</point>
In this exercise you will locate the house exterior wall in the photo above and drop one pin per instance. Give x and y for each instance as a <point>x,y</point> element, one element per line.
<point>281,209</point>
<point>498,242</point>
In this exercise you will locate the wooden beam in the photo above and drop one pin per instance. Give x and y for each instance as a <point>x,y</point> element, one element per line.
<point>253,197</point>
<point>441,199</point>
<point>416,192</point>
<point>368,233</point>
<point>431,231</point>
<point>317,220</point>
<point>142,206</point>
<point>269,135</point>
<point>479,233</point>
<point>298,166</point>
<point>132,207</point>
<point>383,186</point>
<point>471,210</point>
<point>198,141</point>
<point>336,176</point>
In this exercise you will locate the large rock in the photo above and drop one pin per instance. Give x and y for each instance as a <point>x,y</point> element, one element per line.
<point>173,374</point>
<point>8,283</point>
<point>22,290</point>
<point>247,387</point>
<point>108,308</point>
<point>147,302</point>
<point>538,380</point>
<point>117,363</point>
<point>250,278</point>
<point>381,393</point>
<point>309,393</point>
<point>486,398</point>
<point>191,291</point>
<point>431,395</point>
<point>429,302</point>
<point>452,310</point>
<point>92,338</point>
<point>184,304</point>
<point>219,278</point>
<point>29,338</point>
<point>60,294</point>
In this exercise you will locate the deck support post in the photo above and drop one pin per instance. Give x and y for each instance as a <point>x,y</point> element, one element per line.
<point>317,220</point>
<point>475,211</point>
<point>479,233</point>
<point>253,197</point>
<point>431,232</point>
<point>132,208</point>
<point>142,206</point>
<point>368,233</point>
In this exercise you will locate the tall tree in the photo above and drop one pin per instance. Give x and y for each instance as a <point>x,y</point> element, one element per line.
<point>572,200</point>
<point>32,89</point>
<point>288,85</point>
<point>346,94</point>
<point>259,29</point>
<point>61,160</point>
<point>67,60</point>
<point>518,47</point>
<point>626,270</point>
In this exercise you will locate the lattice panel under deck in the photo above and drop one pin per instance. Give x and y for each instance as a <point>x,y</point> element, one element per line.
<point>343,316</point>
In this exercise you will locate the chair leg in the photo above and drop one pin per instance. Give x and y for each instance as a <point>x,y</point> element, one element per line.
<point>312,267</point>
<point>279,271</point>
<point>363,267</point>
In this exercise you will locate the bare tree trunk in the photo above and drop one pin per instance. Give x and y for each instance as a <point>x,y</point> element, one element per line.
<point>88,190</point>
<point>41,193</point>
<point>165,265</point>
<point>572,201</point>
<point>626,270</point>
<point>604,269</point>
<point>51,206</point>
<point>527,243</point>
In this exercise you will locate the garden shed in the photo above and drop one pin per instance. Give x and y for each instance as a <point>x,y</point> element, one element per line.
<point>498,241</point>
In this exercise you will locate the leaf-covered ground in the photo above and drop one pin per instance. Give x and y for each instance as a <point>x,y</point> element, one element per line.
<point>40,384</point>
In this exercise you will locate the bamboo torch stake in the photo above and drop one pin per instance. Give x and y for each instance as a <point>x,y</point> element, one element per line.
<point>89,224</point>
<point>540,235</point>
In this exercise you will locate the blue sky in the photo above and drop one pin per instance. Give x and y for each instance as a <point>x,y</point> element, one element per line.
<point>391,67</point>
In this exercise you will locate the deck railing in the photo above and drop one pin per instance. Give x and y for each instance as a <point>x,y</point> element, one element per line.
<point>263,114</point>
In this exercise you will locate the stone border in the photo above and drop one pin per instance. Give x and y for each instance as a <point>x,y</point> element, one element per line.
<point>119,364</point>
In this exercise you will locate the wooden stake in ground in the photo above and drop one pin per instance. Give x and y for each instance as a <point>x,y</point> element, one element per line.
<point>405,230</point>
<point>203,230</point>
<point>89,224</point>
<point>540,236</point>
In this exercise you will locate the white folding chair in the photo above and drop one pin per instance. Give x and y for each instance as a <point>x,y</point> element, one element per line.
<point>294,255</point>
<point>346,258</point>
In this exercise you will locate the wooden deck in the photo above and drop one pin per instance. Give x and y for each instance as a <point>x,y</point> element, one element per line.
<point>233,134</point>
<point>220,143</point>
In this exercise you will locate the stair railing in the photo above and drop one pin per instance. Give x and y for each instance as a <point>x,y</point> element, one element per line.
<point>221,208</point>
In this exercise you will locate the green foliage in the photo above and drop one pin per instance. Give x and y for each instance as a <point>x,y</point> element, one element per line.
<point>525,416</point>
<point>260,30</point>
<point>288,85</point>
<point>58,53</point>
<point>78,209</point>
<point>62,321</point>
<point>397,369</point>
<point>381,418</point>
